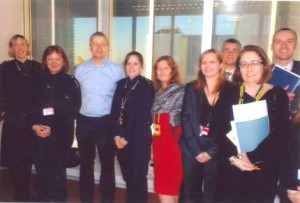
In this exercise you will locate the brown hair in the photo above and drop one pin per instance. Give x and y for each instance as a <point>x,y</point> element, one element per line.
<point>267,73</point>
<point>55,49</point>
<point>134,53</point>
<point>200,82</point>
<point>11,42</point>
<point>175,75</point>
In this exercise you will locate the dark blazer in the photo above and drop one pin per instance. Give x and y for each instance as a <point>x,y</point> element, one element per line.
<point>190,141</point>
<point>296,67</point>
<point>139,118</point>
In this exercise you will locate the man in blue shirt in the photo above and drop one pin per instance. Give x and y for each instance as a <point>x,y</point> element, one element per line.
<point>97,78</point>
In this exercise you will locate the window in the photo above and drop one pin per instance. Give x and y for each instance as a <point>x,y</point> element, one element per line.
<point>160,27</point>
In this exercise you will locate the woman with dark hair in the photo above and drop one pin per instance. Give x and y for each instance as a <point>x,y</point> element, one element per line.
<point>166,112</point>
<point>203,121</point>
<point>131,121</point>
<point>58,103</point>
<point>253,176</point>
<point>17,97</point>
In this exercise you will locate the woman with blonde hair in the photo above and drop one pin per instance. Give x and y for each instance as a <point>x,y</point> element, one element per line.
<point>203,122</point>
<point>166,112</point>
<point>17,96</point>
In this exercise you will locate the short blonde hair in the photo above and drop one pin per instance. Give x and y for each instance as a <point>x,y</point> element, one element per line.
<point>12,40</point>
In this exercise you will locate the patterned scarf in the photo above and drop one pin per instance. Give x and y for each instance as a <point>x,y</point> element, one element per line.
<point>170,101</point>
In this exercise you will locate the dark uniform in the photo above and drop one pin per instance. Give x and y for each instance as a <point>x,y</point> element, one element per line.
<point>17,97</point>
<point>58,103</point>
<point>133,122</point>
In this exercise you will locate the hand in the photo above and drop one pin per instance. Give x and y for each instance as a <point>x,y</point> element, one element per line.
<point>296,117</point>
<point>294,195</point>
<point>120,142</point>
<point>123,142</point>
<point>203,157</point>
<point>242,162</point>
<point>291,95</point>
<point>117,141</point>
<point>42,131</point>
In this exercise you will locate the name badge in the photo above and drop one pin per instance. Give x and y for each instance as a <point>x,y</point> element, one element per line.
<point>155,129</point>
<point>49,111</point>
<point>204,130</point>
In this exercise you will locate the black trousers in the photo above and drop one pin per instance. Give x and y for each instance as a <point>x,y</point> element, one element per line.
<point>199,180</point>
<point>91,133</point>
<point>20,176</point>
<point>134,161</point>
<point>50,170</point>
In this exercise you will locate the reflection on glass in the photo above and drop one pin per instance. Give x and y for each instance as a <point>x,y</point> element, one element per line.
<point>82,37</point>
<point>249,22</point>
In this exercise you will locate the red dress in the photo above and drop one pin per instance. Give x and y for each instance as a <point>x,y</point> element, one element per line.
<point>167,158</point>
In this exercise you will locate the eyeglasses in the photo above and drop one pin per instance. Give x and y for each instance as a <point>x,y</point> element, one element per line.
<point>253,64</point>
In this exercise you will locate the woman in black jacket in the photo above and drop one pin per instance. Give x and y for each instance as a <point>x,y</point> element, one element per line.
<point>17,96</point>
<point>203,121</point>
<point>58,103</point>
<point>131,120</point>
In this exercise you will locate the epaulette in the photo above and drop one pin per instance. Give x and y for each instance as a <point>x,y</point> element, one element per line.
<point>75,81</point>
<point>147,80</point>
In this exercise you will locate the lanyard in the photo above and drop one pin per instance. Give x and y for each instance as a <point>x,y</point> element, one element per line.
<point>156,118</point>
<point>128,92</point>
<point>257,96</point>
<point>212,105</point>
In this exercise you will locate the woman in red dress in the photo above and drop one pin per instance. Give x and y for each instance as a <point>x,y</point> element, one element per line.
<point>166,129</point>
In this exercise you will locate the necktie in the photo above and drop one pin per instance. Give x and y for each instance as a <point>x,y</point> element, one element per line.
<point>228,74</point>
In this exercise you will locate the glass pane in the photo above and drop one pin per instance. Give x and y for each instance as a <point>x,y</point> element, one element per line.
<point>75,21</point>
<point>288,15</point>
<point>247,21</point>
<point>130,29</point>
<point>177,32</point>
<point>41,27</point>
<point>122,25</point>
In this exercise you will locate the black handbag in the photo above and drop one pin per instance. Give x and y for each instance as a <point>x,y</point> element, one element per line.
<point>73,159</point>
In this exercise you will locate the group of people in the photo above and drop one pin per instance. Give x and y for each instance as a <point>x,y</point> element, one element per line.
<point>183,128</point>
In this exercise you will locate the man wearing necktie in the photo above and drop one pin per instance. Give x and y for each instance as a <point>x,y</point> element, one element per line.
<point>284,45</point>
<point>230,51</point>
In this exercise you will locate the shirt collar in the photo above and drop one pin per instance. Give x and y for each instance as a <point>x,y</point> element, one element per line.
<point>289,67</point>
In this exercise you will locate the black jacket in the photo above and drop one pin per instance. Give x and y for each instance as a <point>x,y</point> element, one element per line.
<point>192,115</point>
<point>138,118</point>
<point>62,93</point>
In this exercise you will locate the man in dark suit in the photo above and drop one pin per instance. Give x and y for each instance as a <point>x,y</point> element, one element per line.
<point>284,46</point>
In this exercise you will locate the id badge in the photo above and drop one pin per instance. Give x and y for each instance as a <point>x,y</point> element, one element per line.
<point>49,111</point>
<point>204,130</point>
<point>155,129</point>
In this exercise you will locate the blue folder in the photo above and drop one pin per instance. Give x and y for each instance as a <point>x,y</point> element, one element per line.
<point>282,77</point>
<point>252,133</point>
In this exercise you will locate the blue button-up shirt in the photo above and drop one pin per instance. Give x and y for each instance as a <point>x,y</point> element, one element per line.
<point>98,84</point>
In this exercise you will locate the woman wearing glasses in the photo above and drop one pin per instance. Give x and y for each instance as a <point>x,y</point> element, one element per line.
<point>253,176</point>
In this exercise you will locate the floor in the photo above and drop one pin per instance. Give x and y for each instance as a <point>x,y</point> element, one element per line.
<point>6,191</point>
